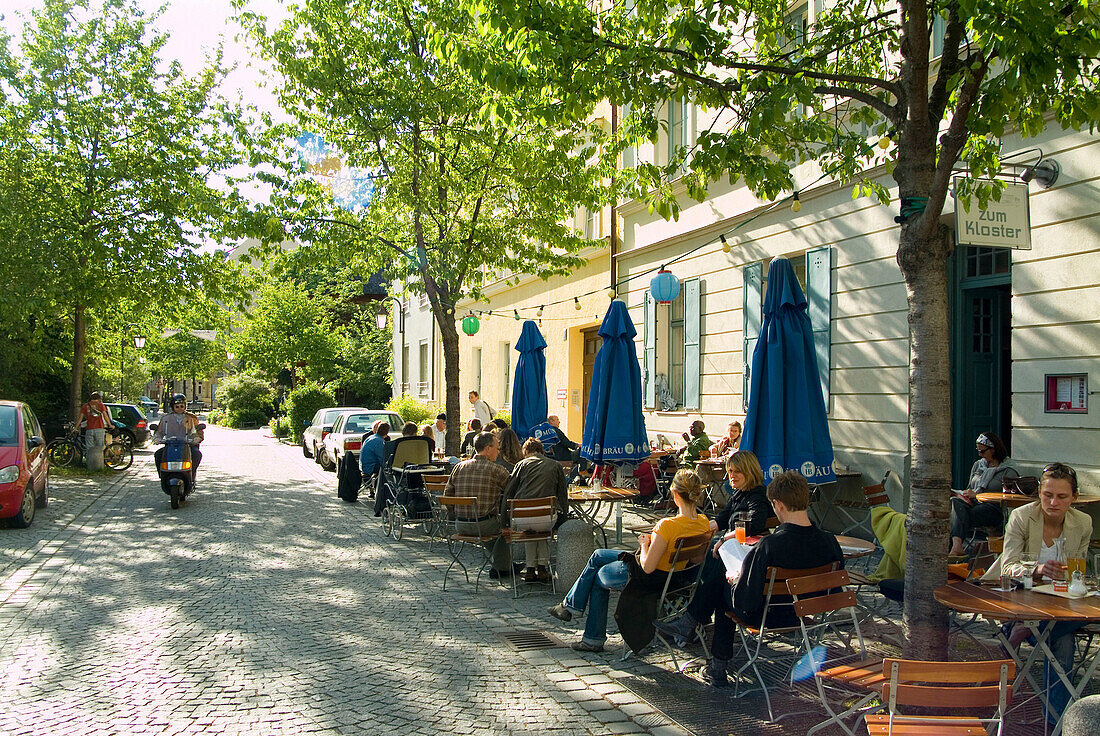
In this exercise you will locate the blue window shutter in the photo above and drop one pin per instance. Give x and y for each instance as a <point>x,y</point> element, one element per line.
<point>819,295</point>
<point>692,327</point>
<point>751,308</point>
<point>649,339</point>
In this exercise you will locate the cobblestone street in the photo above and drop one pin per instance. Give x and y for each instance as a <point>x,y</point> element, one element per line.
<point>267,606</point>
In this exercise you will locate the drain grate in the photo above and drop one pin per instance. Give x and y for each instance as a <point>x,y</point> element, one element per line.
<point>527,641</point>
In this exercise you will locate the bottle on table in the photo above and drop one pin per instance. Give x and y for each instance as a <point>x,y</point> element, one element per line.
<point>1061,584</point>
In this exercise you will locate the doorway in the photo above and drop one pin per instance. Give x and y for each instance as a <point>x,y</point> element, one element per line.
<point>981,325</point>
<point>592,343</point>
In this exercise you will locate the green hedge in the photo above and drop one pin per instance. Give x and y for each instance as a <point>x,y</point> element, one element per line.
<point>247,400</point>
<point>302,403</point>
<point>414,410</point>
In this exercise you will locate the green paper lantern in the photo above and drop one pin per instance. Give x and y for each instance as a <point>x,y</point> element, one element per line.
<point>470,324</point>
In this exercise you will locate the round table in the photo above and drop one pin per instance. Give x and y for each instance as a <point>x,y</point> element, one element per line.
<point>1012,500</point>
<point>854,547</point>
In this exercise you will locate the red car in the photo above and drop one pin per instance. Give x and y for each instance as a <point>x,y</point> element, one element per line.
<point>24,469</point>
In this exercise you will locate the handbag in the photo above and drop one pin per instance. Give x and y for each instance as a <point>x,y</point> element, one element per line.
<point>1026,485</point>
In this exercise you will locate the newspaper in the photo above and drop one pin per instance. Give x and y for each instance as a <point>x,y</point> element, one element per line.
<point>733,555</point>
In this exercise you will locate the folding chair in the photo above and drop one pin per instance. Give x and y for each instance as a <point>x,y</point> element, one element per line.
<point>436,528</point>
<point>521,510</point>
<point>821,602</point>
<point>950,686</point>
<point>776,596</point>
<point>680,586</point>
<point>456,541</point>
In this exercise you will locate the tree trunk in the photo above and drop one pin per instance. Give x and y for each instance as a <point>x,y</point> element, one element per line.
<point>80,347</point>
<point>922,259</point>
<point>448,333</point>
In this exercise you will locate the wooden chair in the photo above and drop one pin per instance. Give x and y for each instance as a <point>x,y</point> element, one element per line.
<point>776,596</point>
<point>680,586</point>
<point>456,540</point>
<point>527,509</point>
<point>821,602</point>
<point>950,686</point>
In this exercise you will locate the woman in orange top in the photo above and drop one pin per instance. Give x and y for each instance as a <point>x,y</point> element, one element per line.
<point>606,572</point>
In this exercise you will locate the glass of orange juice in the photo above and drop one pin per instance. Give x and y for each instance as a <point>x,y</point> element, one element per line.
<point>739,532</point>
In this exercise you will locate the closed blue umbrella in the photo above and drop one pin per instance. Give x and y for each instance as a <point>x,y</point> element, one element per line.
<point>786,427</point>
<point>529,405</point>
<point>614,428</point>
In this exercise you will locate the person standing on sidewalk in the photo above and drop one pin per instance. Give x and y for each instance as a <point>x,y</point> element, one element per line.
<point>94,416</point>
<point>481,410</point>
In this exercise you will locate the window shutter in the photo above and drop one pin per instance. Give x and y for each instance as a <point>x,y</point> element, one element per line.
<point>819,295</point>
<point>751,309</point>
<point>692,328</point>
<point>649,339</point>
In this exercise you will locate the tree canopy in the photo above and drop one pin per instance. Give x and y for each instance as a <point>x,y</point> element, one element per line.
<point>113,167</point>
<point>465,188</point>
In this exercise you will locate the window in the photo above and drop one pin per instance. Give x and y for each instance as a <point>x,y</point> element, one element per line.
<point>423,301</point>
<point>404,368</point>
<point>477,370</point>
<point>814,272</point>
<point>677,129</point>
<point>592,224</point>
<point>799,22</point>
<point>939,30</point>
<point>506,373</point>
<point>424,368</point>
<point>671,348</point>
<point>629,154</point>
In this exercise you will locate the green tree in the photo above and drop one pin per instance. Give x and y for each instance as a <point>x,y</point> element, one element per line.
<point>824,91</point>
<point>466,190</point>
<point>284,331</point>
<point>117,156</point>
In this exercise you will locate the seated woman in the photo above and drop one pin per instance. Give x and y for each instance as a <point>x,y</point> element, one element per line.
<point>729,444</point>
<point>748,500</point>
<point>606,572</point>
<point>1029,536</point>
<point>987,474</point>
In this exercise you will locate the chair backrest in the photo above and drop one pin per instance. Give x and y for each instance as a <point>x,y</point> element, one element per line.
<point>693,550</point>
<point>947,685</point>
<point>771,523</point>
<point>456,502</point>
<point>435,483</point>
<point>876,495</point>
<point>778,576</point>
<point>532,508</point>
<point>818,602</point>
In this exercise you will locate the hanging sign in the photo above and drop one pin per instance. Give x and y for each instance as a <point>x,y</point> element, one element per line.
<point>1002,224</point>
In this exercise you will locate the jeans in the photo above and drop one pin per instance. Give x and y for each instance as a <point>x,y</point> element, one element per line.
<point>603,573</point>
<point>1061,643</point>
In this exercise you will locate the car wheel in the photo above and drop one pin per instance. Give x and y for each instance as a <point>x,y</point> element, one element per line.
<point>27,508</point>
<point>127,439</point>
<point>326,463</point>
<point>43,498</point>
<point>305,449</point>
<point>316,454</point>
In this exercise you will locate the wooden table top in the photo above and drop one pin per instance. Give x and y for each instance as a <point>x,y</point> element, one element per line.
<point>856,547</point>
<point>607,493</point>
<point>1008,499</point>
<point>1018,605</point>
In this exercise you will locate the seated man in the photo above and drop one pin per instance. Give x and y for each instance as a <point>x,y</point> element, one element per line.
<point>371,454</point>
<point>564,448</point>
<point>537,476</point>
<point>696,443</point>
<point>483,479</point>
<point>796,544</point>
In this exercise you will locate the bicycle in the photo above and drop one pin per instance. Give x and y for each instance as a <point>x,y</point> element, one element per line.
<point>67,450</point>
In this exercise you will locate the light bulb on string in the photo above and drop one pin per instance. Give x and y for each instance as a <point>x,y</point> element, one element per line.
<point>540,312</point>
<point>516,311</point>
<point>576,304</point>
<point>884,142</point>
<point>487,315</point>
<point>611,293</point>
<point>725,245</point>
<point>796,205</point>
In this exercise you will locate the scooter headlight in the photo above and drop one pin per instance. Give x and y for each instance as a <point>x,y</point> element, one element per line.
<point>9,474</point>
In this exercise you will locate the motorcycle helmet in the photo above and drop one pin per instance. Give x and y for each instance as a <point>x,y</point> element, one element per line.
<point>178,399</point>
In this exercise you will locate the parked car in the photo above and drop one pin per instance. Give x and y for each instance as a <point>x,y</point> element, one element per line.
<point>347,434</point>
<point>24,468</point>
<point>196,405</point>
<point>319,426</point>
<point>136,432</point>
<point>150,407</point>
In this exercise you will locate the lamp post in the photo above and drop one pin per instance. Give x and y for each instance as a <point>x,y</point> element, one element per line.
<point>380,323</point>
<point>139,343</point>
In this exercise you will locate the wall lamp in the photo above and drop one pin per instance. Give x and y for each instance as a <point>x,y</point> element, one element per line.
<point>1044,173</point>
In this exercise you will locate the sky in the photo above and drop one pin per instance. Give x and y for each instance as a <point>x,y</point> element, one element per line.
<point>195,27</point>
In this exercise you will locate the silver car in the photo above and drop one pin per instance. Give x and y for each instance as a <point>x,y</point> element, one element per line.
<point>347,433</point>
<point>321,425</point>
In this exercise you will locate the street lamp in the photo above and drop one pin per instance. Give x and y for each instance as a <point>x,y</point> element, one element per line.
<point>139,343</point>
<point>380,323</point>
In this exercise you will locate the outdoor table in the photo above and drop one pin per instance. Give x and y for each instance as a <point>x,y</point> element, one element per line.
<point>1030,609</point>
<point>854,547</point>
<point>581,496</point>
<point>1012,500</point>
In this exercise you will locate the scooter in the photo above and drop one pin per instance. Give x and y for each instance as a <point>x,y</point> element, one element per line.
<point>175,469</point>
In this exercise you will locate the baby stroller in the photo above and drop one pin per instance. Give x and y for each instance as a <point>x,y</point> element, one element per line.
<point>401,491</point>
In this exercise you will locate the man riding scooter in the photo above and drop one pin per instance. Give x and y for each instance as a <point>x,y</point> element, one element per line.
<point>182,426</point>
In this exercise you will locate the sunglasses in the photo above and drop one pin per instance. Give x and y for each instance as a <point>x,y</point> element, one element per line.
<point>1060,469</point>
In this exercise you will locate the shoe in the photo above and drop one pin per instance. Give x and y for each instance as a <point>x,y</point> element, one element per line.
<point>682,627</point>
<point>542,574</point>
<point>583,646</point>
<point>560,612</point>
<point>714,673</point>
<point>530,576</point>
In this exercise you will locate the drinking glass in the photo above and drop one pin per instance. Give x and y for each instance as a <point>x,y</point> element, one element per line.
<point>739,531</point>
<point>1029,562</point>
